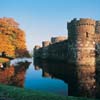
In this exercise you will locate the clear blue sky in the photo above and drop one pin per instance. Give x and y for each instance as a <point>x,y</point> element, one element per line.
<point>42,19</point>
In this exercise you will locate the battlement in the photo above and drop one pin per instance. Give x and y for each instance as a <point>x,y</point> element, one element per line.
<point>45,43</point>
<point>81,21</point>
<point>58,39</point>
<point>86,21</point>
<point>83,25</point>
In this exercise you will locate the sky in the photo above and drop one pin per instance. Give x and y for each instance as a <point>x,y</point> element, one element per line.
<point>43,19</point>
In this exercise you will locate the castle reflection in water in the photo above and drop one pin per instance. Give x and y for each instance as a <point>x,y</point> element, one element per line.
<point>60,70</point>
<point>51,69</point>
<point>23,75</point>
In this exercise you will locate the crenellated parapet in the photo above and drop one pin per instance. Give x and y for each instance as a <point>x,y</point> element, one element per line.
<point>81,26</point>
<point>81,21</point>
<point>85,21</point>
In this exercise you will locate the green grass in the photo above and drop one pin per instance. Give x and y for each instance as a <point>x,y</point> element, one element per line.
<point>3,60</point>
<point>14,93</point>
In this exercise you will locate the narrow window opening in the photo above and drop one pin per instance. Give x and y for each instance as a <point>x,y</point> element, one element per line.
<point>87,34</point>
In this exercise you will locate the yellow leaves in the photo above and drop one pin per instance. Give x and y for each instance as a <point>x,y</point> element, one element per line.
<point>11,36</point>
<point>5,45</point>
<point>8,21</point>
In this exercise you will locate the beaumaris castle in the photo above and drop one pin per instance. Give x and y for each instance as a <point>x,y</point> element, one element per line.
<point>81,50</point>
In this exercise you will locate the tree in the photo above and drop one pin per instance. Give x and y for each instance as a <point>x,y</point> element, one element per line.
<point>12,38</point>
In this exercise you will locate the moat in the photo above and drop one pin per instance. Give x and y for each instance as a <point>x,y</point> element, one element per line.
<point>46,75</point>
<point>38,75</point>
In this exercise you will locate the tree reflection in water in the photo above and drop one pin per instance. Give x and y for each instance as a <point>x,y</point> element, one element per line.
<point>14,74</point>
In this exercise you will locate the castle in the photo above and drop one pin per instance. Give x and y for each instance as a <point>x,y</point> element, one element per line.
<point>79,50</point>
<point>83,35</point>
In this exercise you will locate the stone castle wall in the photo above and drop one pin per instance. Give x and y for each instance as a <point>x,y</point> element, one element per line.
<point>80,50</point>
<point>82,38</point>
<point>56,49</point>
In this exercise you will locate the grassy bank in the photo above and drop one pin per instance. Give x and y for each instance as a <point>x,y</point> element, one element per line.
<point>14,93</point>
<point>3,60</point>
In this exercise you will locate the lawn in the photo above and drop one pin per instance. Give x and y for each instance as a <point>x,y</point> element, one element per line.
<point>14,93</point>
<point>3,60</point>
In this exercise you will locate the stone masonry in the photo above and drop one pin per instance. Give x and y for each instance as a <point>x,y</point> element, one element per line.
<point>56,49</point>
<point>80,51</point>
<point>82,40</point>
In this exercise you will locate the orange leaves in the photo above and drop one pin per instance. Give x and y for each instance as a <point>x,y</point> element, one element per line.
<point>8,21</point>
<point>11,37</point>
<point>5,45</point>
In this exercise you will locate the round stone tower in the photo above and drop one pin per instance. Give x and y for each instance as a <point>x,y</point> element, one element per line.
<point>81,41</point>
<point>81,53</point>
<point>45,43</point>
<point>58,39</point>
<point>36,51</point>
<point>36,47</point>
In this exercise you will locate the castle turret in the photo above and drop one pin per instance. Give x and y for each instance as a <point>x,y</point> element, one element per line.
<point>37,51</point>
<point>45,43</point>
<point>36,47</point>
<point>58,39</point>
<point>81,41</point>
<point>81,52</point>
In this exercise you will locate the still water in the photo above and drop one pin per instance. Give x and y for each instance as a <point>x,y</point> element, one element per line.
<point>37,75</point>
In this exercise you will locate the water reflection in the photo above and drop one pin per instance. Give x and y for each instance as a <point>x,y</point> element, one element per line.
<point>43,76</point>
<point>81,79</point>
<point>14,74</point>
<point>52,69</point>
<point>51,76</point>
<point>39,77</point>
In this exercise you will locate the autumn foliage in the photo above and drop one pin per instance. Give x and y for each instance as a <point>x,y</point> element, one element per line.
<point>12,38</point>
